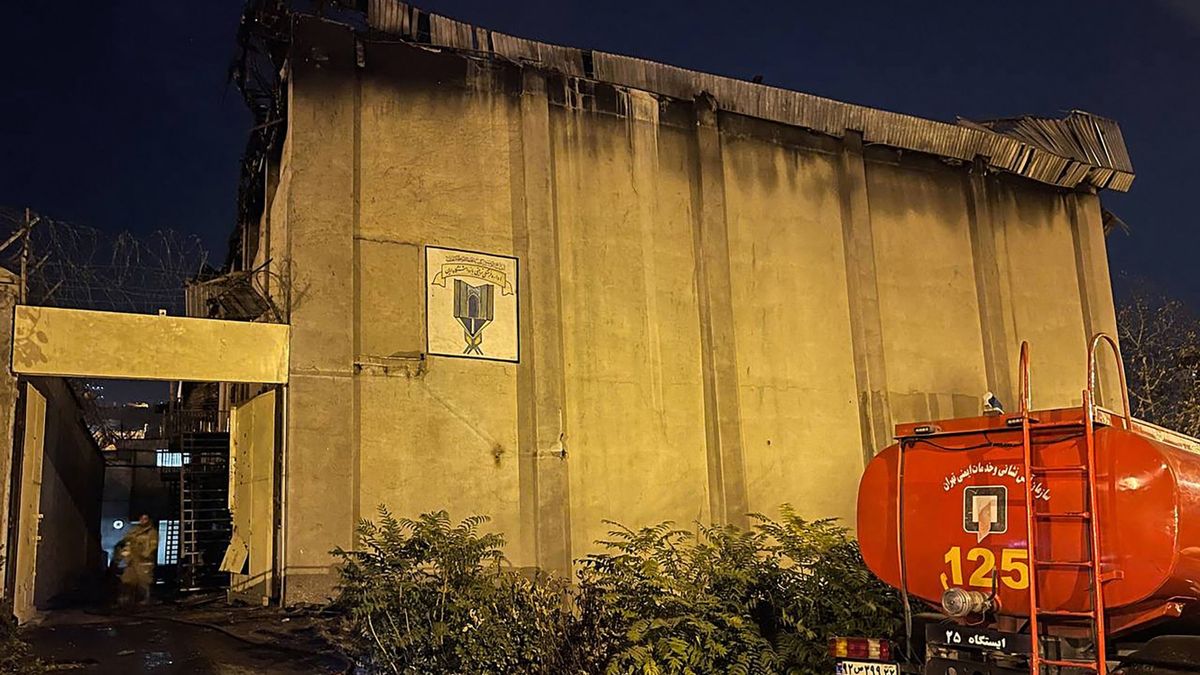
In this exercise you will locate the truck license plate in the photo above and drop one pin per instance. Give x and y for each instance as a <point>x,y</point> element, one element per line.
<point>866,668</point>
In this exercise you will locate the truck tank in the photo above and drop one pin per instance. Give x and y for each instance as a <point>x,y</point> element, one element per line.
<point>957,491</point>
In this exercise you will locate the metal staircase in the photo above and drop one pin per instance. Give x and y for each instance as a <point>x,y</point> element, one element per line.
<point>201,485</point>
<point>205,525</point>
<point>1086,519</point>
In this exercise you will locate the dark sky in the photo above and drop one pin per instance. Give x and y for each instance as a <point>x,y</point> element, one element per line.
<point>116,113</point>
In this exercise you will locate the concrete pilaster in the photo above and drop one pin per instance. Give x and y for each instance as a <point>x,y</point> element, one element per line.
<point>866,328</point>
<point>995,314</point>
<point>541,399</point>
<point>722,409</point>
<point>1095,284</point>
<point>318,465</point>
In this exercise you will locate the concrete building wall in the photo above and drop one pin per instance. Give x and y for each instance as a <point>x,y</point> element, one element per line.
<point>69,553</point>
<point>620,356</point>
<point>718,314</point>
<point>792,325</point>
<point>927,297</point>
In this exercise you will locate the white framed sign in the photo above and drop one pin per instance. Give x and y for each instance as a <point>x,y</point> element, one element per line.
<point>471,306</point>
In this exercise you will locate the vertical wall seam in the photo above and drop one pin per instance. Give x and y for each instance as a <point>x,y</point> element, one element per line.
<point>289,268</point>
<point>356,294</point>
<point>558,329</point>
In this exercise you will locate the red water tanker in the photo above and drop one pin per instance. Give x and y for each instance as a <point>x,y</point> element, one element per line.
<point>944,515</point>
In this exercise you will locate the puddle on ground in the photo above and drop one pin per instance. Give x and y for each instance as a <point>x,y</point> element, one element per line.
<point>156,660</point>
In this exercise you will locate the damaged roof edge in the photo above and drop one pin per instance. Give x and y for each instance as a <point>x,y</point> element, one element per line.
<point>1081,149</point>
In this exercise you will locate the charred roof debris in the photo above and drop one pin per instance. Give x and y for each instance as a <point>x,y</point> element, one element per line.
<point>1078,151</point>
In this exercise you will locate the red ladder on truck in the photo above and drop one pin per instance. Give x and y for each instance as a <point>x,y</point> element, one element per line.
<point>1087,519</point>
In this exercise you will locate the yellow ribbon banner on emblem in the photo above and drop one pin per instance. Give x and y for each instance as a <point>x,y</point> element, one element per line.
<point>475,271</point>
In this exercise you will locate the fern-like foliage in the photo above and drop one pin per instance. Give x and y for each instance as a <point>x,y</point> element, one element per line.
<point>428,595</point>
<point>724,600</point>
<point>817,586</point>
<point>433,596</point>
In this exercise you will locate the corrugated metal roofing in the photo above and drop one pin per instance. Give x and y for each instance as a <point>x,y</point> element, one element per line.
<point>1080,136</point>
<point>1076,150</point>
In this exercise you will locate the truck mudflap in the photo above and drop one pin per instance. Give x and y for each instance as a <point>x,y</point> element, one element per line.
<point>952,649</point>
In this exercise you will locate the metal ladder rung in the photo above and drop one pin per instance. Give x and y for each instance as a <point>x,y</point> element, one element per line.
<point>1080,564</point>
<point>1056,425</point>
<point>1075,515</point>
<point>1074,468</point>
<point>1060,663</point>
<point>1066,613</point>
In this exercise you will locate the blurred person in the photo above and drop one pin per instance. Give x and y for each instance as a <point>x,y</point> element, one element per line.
<point>139,551</point>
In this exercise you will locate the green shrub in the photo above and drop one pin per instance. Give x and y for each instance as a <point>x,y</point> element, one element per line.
<point>425,595</point>
<point>661,600</point>
<point>429,596</point>
<point>819,588</point>
<point>724,600</point>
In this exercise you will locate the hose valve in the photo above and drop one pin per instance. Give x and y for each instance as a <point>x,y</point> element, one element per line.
<point>958,603</point>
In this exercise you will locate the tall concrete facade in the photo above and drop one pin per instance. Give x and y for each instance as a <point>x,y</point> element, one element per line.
<point>719,313</point>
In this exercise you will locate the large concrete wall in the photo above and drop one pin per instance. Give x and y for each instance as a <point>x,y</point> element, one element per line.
<point>718,314</point>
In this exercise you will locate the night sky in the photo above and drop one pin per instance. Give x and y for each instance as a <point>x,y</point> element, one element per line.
<point>117,114</point>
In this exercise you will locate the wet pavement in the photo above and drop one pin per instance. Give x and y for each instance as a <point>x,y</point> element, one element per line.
<point>81,643</point>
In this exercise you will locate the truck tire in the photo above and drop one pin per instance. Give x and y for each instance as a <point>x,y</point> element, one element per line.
<point>1164,655</point>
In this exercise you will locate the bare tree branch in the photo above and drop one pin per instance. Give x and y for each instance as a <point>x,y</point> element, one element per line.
<point>1160,342</point>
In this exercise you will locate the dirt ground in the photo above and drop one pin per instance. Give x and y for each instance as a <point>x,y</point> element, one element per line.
<point>173,639</point>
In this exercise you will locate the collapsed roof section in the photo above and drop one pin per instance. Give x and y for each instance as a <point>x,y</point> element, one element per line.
<point>1079,150</point>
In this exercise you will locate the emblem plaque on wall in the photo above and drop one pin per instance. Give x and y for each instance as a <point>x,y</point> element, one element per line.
<point>471,308</point>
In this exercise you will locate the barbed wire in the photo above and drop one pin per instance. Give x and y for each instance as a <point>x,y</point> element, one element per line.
<point>82,267</point>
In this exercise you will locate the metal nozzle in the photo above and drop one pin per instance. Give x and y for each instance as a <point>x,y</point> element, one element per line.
<point>958,603</point>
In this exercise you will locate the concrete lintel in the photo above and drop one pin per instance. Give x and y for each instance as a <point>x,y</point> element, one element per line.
<point>78,343</point>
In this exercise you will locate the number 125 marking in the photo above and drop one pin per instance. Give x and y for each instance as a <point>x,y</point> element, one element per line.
<point>1014,567</point>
